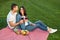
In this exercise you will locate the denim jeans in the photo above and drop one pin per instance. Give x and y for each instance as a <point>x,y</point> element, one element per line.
<point>39,24</point>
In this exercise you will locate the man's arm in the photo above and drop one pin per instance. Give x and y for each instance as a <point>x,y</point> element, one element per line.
<point>15,24</point>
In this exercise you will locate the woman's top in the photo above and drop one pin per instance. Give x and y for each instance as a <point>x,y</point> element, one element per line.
<point>22,26</point>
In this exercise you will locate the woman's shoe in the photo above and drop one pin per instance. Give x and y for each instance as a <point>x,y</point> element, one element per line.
<point>52,30</point>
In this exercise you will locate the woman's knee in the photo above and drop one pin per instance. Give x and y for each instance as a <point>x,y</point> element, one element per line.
<point>39,21</point>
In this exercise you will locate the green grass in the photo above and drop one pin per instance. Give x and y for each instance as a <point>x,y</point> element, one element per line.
<point>46,10</point>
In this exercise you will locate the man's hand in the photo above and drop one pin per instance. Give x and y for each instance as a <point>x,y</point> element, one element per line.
<point>21,21</point>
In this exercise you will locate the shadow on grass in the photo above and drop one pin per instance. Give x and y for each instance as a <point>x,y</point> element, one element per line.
<point>3,22</point>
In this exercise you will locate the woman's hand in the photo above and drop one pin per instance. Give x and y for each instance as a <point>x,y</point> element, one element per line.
<point>26,20</point>
<point>33,24</point>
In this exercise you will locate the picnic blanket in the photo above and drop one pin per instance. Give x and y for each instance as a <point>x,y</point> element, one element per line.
<point>37,34</point>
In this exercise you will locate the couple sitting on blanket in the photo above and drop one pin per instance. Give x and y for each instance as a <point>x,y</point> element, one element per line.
<point>20,24</point>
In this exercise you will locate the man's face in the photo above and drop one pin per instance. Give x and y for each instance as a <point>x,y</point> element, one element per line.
<point>15,8</point>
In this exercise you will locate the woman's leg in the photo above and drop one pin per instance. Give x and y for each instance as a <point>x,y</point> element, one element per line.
<point>31,28</point>
<point>41,25</point>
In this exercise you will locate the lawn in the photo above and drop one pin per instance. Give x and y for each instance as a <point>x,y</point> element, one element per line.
<point>46,10</point>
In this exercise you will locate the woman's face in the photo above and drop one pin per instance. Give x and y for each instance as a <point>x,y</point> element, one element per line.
<point>22,11</point>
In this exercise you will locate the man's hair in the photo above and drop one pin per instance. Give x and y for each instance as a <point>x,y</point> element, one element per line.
<point>13,5</point>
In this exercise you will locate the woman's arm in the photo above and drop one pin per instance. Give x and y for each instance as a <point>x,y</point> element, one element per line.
<point>31,23</point>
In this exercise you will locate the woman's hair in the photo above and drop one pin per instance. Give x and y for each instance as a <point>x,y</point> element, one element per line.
<point>24,11</point>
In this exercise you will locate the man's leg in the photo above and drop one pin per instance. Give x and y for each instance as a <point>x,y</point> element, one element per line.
<point>17,30</point>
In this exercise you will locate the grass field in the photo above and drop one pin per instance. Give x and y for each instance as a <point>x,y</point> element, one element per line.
<point>46,10</point>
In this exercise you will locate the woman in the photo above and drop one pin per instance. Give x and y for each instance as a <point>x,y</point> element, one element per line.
<point>31,26</point>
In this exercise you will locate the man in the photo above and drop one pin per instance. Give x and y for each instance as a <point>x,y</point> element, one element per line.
<point>11,17</point>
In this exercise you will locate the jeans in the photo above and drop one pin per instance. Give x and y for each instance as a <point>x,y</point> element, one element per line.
<point>39,24</point>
